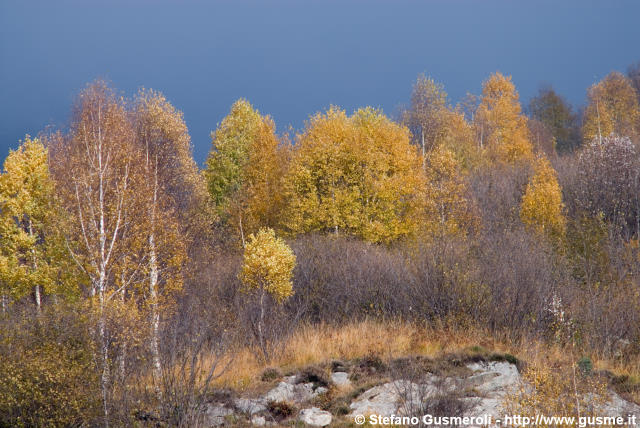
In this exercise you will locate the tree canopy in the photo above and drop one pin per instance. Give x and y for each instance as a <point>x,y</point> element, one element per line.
<point>357,175</point>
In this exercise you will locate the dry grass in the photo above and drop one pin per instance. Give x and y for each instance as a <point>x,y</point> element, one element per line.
<point>317,344</point>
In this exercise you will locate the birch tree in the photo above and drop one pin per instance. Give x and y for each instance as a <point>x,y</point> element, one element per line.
<point>427,114</point>
<point>245,169</point>
<point>504,130</point>
<point>542,208</point>
<point>33,259</point>
<point>267,270</point>
<point>357,174</point>
<point>556,114</point>
<point>168,174</point>
<point>612,108</point>
<point>93,167</point>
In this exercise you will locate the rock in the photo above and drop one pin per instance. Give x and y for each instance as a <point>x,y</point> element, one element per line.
<point>490,380</point>
<point>315,417</point>
<point>290,379</point>
<point>383,400</point>
<point>250,406</point>
<point>340,379</point>
<point>479,407</point>
<point>258,421</point>
<point>292,393</point>
<point>216,414</point>
<point>617,406</point>
<point>321,390</point>
<point>494,379</point>
<point>282,392</point>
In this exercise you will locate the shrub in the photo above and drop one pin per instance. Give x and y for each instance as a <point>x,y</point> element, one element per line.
<point>281,410</point>
<point>313,375</point>
<point>47,373</point>
<point>270,374</point>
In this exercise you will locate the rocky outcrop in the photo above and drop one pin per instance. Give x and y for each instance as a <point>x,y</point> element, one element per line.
<point>617,406</point>
<point>484,389</point>
<point>216,415</point>
<point>315,417</point>
<point>383,400</point>
<point>490,383</point>
<point>291,391</point>
<point>250,406</point>
<point>479,390</point>
<point>340,379</point>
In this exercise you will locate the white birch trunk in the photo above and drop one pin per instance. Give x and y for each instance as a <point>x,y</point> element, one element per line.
<point>100,228</point>
<point>123,353</point>
<point>101,291</point>
<point>155,315</point>
<point>36,290</point>
<point>153,282</point>
<point>261,326</point>
<point>424,156</point>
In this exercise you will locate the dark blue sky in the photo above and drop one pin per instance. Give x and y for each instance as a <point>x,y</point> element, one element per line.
<point>293,58</point>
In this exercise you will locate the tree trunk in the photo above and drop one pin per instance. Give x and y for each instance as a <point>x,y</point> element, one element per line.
<point>599,131</point>
<point>153,284</point>
<point>241,230</point>
<point>102,282</point>
<point>155,316</point>
<point>38,299</point>
<point>123,352</point>
<point>261,340</point>
<point>36,291</point>
<point>424,157</point>
<point>104,351</point>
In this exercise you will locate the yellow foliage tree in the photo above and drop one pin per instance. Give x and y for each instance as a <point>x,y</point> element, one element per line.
<point>33,255</point>
<point>163,136</point>
<point>502,128</point>
<point>245,168</point>
<point>426,117</point>
<point>613,108</point>
<point>458,138</point>
<point>357,174</point>
<point>448,210</point>
<point>267,270</point>
<point>542,207</point>
<point>170,194</point>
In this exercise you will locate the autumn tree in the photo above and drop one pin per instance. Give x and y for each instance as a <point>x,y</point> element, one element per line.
<point>33,256</point>
<point>448,209</point>
<point>459,139</point>
<point>555,114</point>
<point>502,127</point>
<point>433,123</point>
<point>542,208</point>
<point>427,113</point>
<point>608,182</point>
<point>163,134</point>
<point>244,169</point>
<point>634,75</point>
<point>94,170</point>
<point>168,191</point>
<point>357,174</point>
<point>267,270</point>
<point>541,138</point>
<point>612,108</point>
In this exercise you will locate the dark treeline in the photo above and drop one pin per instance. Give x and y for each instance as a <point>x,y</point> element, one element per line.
<point>129,277</point>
